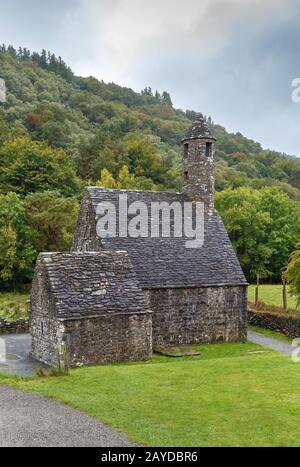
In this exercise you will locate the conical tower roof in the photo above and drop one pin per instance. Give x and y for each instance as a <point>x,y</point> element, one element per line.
<point>199,129</point>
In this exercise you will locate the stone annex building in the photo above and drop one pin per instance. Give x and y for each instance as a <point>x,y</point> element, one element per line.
<point>117,299</point>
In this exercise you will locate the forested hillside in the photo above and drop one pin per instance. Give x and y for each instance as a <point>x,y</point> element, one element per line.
<point>58,132</point>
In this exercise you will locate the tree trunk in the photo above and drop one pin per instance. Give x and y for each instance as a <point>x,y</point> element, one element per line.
<point>257,291</point>
<point>284,295</point>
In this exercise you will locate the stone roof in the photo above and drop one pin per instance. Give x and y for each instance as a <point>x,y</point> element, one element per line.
<point>92,284</point>
<point>166,262</point>
<point>199,129</point>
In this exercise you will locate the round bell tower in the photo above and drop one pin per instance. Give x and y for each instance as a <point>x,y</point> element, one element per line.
<point>199,164</point>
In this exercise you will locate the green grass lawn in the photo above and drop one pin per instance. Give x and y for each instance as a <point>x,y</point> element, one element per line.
<point>231,395</point>
<point>13,305</point>
<point>271,295</point>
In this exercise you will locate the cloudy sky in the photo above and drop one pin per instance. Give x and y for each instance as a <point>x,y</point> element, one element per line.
<point>232,59</point>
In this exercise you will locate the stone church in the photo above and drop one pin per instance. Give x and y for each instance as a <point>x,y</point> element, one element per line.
<point>118,298</point>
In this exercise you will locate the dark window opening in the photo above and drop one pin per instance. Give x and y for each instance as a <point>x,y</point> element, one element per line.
<point>186,175</point>
<point>186,150</point>
<point>208,149</point>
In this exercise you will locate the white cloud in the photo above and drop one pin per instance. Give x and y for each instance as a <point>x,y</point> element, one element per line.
<point>127,32</point>
<point>215,56</point>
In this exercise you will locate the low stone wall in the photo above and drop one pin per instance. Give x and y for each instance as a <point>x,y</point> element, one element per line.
<point>288,324</point>
<point>19,326</point>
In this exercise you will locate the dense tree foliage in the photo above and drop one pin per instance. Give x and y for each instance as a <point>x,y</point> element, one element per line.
<point>102,125</point>
<point>293,273</point>
<point>60,132</point>
<point>17,253</point>
<point>52,220</point>
<point>263,226</point>
<point>28,166</point>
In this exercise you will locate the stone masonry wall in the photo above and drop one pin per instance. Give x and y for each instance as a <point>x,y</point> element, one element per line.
<point>19,326</point>
<point>43,324</point>
<point>198,315</point>
<point>86,237</point>
<point>288,324</point>
<point>107,322</point>
<point>199,172</point>
<point>107,339</point>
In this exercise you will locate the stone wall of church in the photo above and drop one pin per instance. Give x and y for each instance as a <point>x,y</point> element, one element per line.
<point>85,237</point>
<point>199,171</point>
<point>43,324</point>
<point>108,339</point>
<point>198,315</point>
<point>85,340</point>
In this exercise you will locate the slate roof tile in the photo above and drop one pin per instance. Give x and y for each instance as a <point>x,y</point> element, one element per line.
<point>166,262</point>
<point>111,282</point>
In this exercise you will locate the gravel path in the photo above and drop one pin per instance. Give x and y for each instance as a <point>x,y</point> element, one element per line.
<point>33,421</point>
<point>274,344</point>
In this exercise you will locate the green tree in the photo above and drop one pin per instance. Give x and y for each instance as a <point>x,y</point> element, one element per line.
<point>263,226</point>
<point>293,273</point>
<point>29,166</point>
<point>248,227</point>
<point>52,220</point>
<point>8,254</point>
<point>17,255</point>
<point>101,125</point>
<point>126,180</point>
<point>285,228</point>
<point>107,180</point>
<point>145,157</point>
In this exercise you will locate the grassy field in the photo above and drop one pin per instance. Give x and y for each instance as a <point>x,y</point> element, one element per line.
<point>231,395</point>
<point>13,305</point>
<point>271,295</point>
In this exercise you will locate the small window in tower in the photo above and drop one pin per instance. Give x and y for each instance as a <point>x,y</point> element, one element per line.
<point>186,176</point>
<point>208,149</point>
<point>186,150</point>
